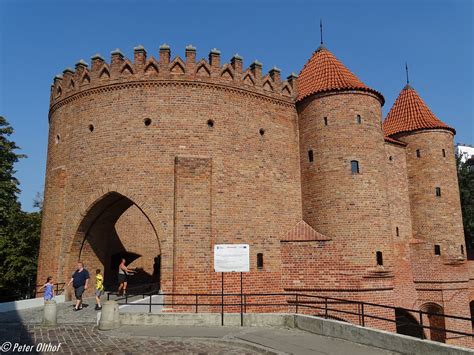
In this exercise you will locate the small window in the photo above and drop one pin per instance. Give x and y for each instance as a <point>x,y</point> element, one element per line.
<point>310,155</point>
<point>444,153</point>
<point>91,128</point>
<point>437,249</point>
<point>147,121</point>
<point>390,158</point>
<point>462,249</point>
<point>359,119</point>
<point>354,167</point>
<point>418,154</point>
<point>210,123</point>
<point>262,131</point>
<point>438,191</point>
<point>397,231</point>
<point>259,261</point>
<point>325,121</point>
<point>58,139</point>
<point>379,258</point>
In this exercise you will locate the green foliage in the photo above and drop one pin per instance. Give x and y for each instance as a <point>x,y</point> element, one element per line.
<point>19,231</point>
<point>466,189</point>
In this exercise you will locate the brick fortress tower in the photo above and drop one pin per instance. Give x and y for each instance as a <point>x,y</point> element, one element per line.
<point>159,159</point>
<point>343,181</point>
<point>437,251</point>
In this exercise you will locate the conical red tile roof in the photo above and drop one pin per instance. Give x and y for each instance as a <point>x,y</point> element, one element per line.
<point>324,73</point>
<point>410,113</point>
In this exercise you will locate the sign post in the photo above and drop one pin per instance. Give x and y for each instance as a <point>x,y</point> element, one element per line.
<point>232,258</point>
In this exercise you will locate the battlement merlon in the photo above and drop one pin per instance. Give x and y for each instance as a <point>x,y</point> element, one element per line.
<point>143,68</point>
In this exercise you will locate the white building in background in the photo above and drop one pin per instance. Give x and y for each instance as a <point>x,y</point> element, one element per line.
<point>466,151</point>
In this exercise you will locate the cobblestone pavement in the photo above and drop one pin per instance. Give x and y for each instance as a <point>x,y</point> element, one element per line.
<point>85,339</point>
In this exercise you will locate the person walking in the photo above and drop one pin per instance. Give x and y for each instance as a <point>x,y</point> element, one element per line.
<point>99,289</point>
<point>48,289</point>
<point>79,280</point>
<point>123,272</point>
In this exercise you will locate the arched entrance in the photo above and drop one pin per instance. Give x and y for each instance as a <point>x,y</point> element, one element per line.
<point>113,228</point>
<point>407,324</point>
<point>435,320</point>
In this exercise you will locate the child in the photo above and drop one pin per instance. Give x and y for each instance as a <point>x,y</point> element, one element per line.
<point>99,289</point>
<point>48,289</point>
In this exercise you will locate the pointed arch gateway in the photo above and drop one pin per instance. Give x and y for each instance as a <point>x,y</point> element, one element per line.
<point>115,227</point>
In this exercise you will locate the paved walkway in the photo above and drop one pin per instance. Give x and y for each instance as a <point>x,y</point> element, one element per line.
<point>86,339</point>
<point>273,340</point>
<point>77,333</point>
<point>80,339</point>
<point>65,313</point>
<point>88,314</point>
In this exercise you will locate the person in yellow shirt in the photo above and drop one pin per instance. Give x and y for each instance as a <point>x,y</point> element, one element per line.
<point>99,289</point>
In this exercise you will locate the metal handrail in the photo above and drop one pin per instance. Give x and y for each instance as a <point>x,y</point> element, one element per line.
<point>296,300</point>
<point>58,290</point>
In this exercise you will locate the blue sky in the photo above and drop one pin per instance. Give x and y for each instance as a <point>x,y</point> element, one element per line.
<point>39,39</point>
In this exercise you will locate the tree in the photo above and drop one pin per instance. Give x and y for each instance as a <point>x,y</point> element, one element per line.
<point>19,231</point>
<point>466,190</point>
<point>8,183</point>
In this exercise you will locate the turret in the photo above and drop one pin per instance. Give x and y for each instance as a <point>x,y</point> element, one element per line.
<point>432,175</point>
<point>342,166</point>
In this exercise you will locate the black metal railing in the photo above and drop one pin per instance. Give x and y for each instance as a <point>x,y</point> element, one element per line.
<point>58,288</point>
<point>322,306</point>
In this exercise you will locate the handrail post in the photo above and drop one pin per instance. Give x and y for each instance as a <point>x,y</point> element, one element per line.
<point>149,307</point>
<point>362,314</point>
<point>325,307</point>
<point>296,301</point>
<point>196,302</point>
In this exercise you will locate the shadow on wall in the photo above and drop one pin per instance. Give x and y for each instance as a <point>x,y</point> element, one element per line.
<point>407,324</point>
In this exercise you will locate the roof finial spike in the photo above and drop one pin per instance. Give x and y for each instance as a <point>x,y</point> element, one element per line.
<point>321,30</point>
<point>406,70</point>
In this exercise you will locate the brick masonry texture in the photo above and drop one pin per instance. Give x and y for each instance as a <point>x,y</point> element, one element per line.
<point>166,157</point>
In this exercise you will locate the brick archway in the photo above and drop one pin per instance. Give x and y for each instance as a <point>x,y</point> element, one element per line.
<point>115,226</point>
<point>436,320</point>
<point>407,324</point>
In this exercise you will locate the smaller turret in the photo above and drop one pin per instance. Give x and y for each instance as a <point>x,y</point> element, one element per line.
<point>432,174</point>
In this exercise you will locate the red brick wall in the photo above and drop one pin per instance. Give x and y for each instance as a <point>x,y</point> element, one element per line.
<point>124,155</point>
<point>400,217</point>
<point>435,219</point>
<point>350,209</point>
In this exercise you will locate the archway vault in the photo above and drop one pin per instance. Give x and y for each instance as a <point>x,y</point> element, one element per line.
<point>115,226</point>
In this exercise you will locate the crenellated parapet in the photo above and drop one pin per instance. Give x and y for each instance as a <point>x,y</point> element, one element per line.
<point>145,69</point>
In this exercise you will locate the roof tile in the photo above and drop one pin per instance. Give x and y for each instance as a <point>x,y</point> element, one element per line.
<point>303,232</point>
<point>410,113</point>
<point>324,73</point>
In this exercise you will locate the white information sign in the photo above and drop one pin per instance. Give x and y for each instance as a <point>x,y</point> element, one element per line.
<point>231,258</point>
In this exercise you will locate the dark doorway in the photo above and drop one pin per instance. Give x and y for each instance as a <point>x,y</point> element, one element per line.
<point>407,324</point>
<point>156,277</point>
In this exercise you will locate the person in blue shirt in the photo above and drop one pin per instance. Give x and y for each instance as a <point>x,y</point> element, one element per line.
<point>79,280</point>
<point>48,289</point>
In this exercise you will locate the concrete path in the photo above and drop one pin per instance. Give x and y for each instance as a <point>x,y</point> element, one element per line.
<point>274,340</point>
